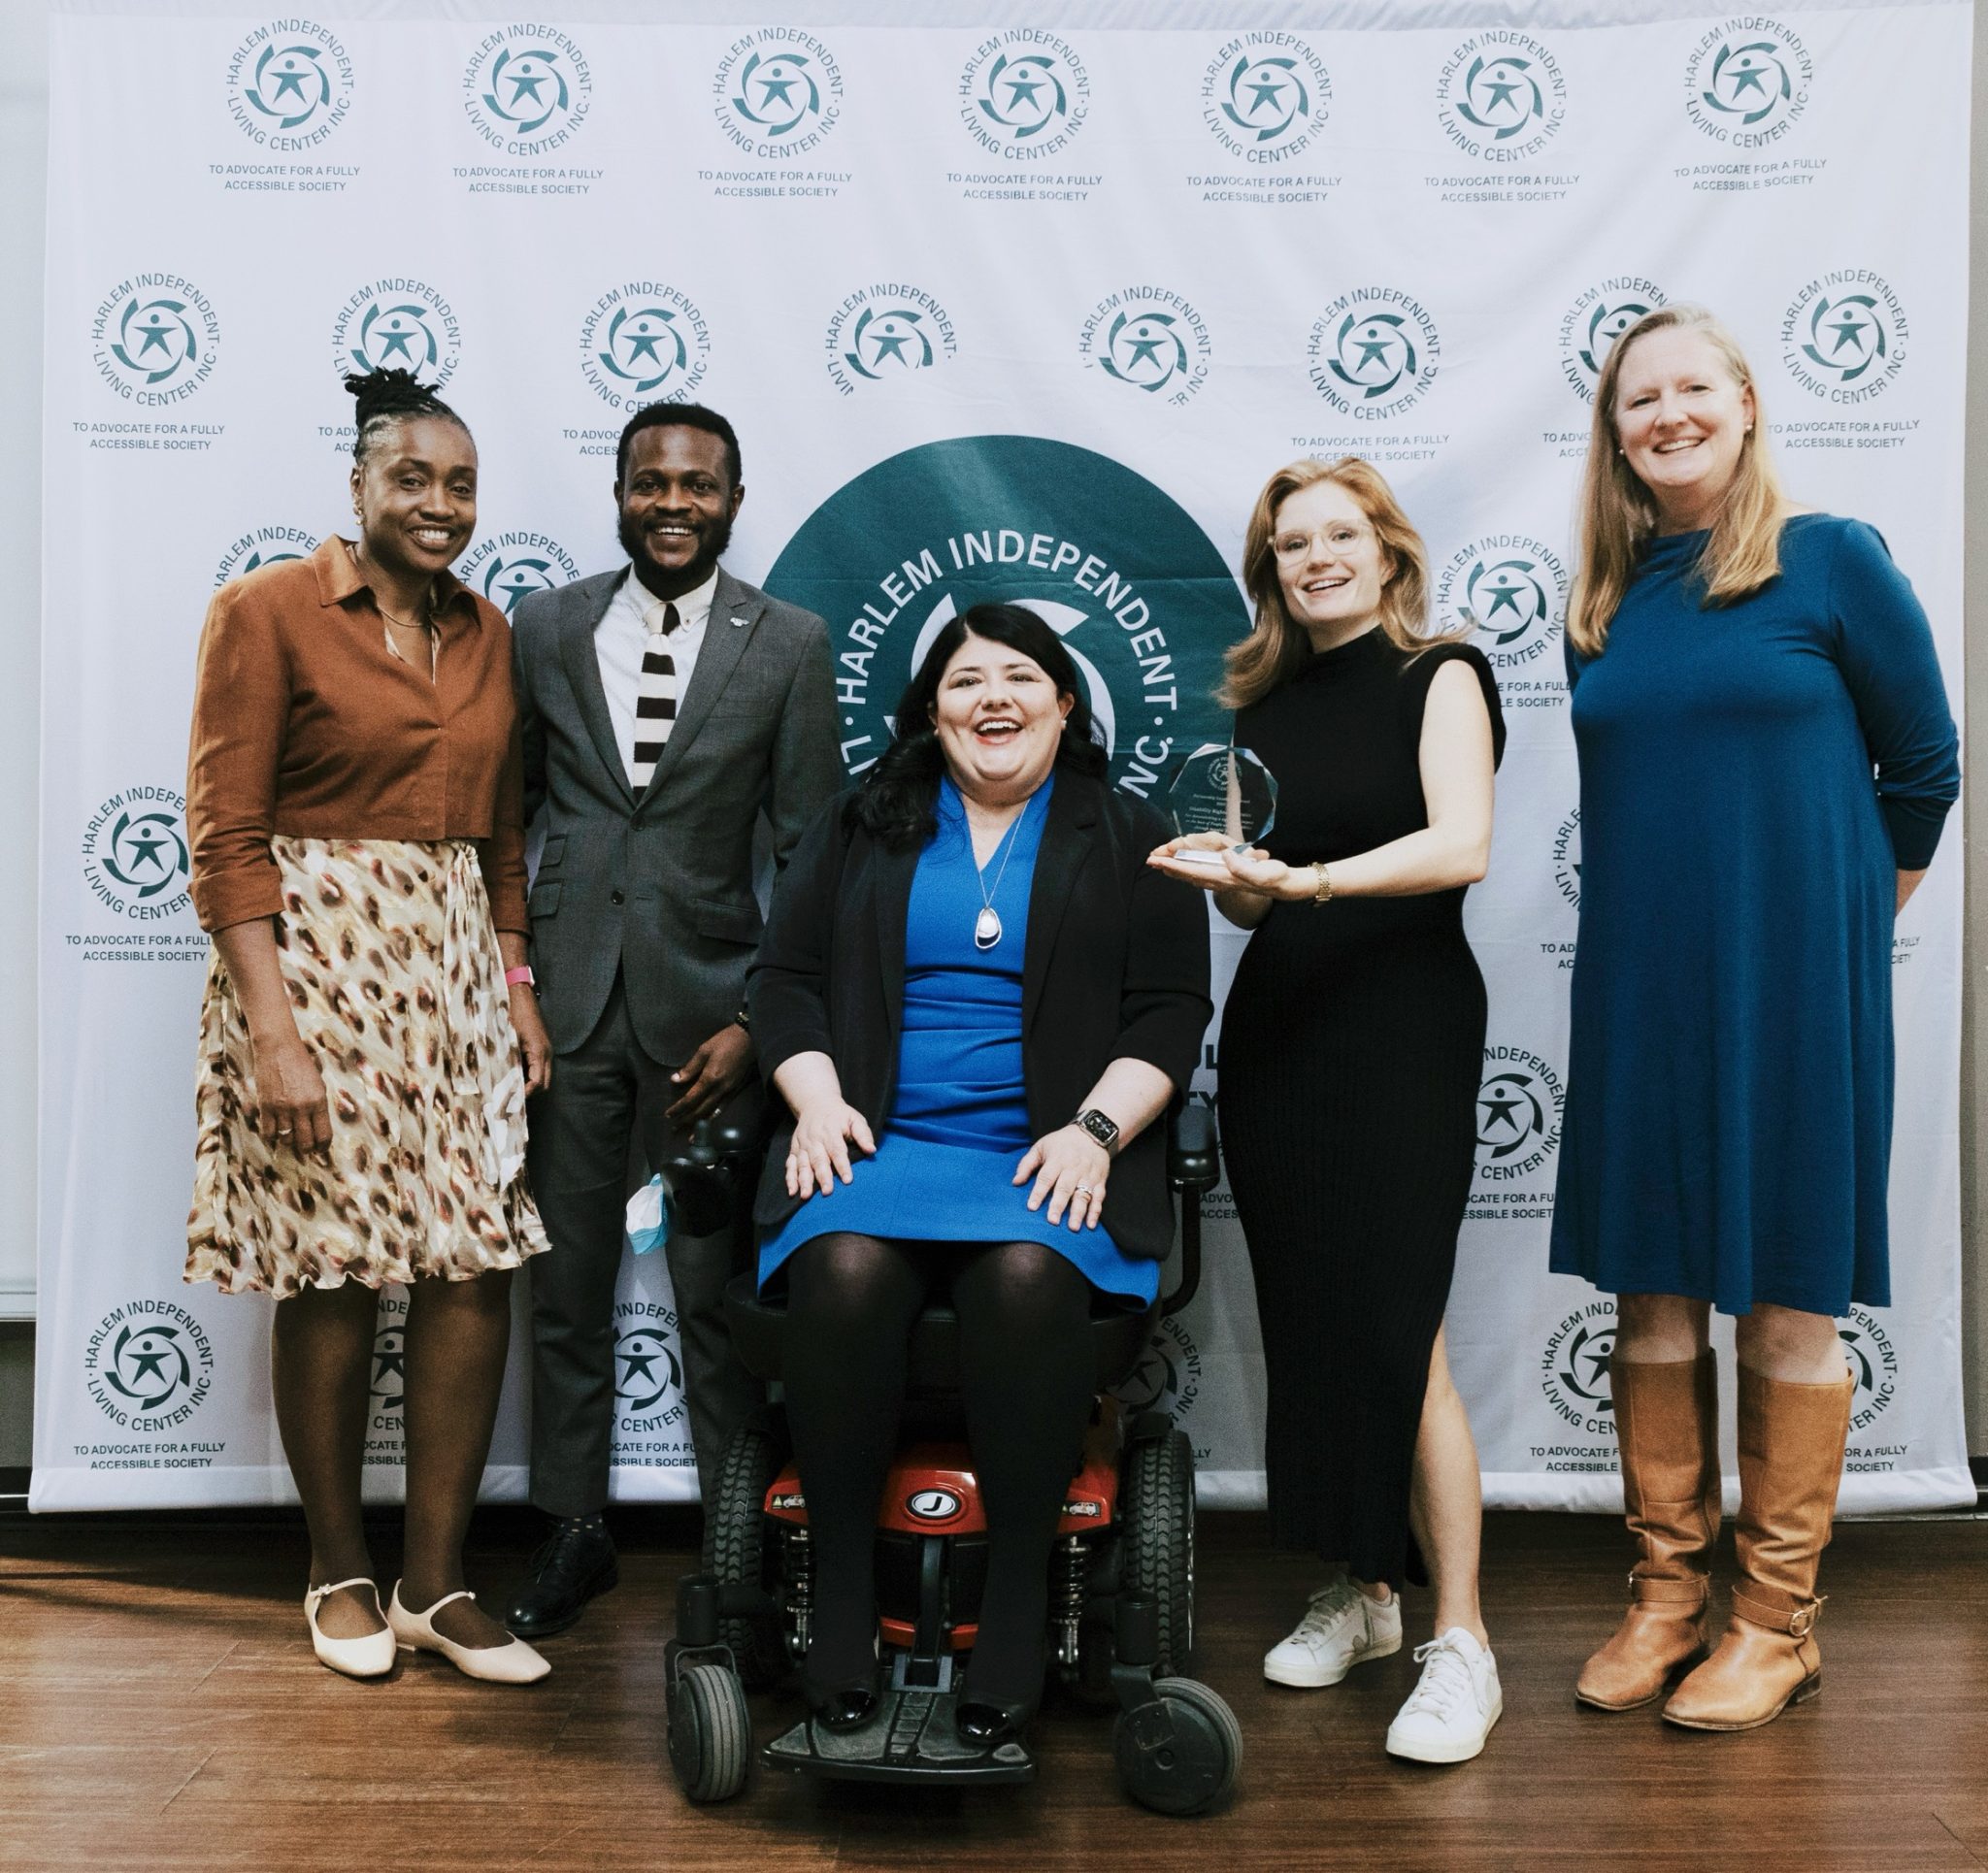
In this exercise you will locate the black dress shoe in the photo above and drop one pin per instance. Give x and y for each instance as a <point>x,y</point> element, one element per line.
<point>845,1710</point>
<point>846,1706</point>
<point>575,1562</point>
<point>986,1724</point>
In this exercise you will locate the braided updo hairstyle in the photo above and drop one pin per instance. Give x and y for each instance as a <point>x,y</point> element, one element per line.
<point>385,397</point>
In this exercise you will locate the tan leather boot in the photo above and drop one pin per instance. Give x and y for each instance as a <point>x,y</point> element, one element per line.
<point>1791,1461</point>
<point>1667,1417</point>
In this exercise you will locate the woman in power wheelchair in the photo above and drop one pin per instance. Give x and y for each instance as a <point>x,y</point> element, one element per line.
<point>975,1000</point>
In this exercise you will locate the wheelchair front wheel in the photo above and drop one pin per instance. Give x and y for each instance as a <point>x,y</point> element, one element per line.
<point>711,1732</point>
<point>1180,1754</point>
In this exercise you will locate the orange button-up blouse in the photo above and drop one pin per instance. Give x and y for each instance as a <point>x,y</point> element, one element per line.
<point>306,724</point>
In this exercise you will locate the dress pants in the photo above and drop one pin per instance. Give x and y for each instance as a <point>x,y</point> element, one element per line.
<point>582,1128</point>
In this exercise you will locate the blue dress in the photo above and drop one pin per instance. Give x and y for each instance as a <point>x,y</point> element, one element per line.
<point>959,1122</point>
<point>1729,1107</point>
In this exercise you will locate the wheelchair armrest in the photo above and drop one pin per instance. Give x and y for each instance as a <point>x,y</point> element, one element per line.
<point>1193,1159</point>
<point>1194,1167</point>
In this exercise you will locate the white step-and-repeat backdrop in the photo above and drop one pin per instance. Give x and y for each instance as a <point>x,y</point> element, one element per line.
<point>999,311</point>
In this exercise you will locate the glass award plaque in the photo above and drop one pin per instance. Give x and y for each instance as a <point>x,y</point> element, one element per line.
<point>1224,790</point>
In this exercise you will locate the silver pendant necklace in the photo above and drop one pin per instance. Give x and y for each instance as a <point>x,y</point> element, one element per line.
<point>987,925</point>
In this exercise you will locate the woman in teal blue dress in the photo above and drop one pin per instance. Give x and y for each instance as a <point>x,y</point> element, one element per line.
<point>1767,756</point>
<point>975,999</point>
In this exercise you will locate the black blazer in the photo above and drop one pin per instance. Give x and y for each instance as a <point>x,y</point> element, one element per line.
<point>1116,967</point>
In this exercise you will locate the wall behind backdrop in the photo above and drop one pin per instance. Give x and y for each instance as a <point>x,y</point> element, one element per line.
<point>1013,312</point>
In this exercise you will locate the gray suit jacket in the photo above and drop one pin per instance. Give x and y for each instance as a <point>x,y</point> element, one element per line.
<point>660,887</point>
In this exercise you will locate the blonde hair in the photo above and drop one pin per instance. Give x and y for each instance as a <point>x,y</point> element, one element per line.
<point>1277,644</point>
<point>1618,514</point>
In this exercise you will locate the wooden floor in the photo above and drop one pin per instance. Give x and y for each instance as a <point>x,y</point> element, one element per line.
<point>159,1707</point>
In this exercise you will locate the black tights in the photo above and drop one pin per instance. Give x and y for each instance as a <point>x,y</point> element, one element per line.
<point>1025,1383</point>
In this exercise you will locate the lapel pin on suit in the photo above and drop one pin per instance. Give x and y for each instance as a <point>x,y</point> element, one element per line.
<point>738,620</point>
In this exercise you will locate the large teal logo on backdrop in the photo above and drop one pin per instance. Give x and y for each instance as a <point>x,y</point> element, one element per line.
<point>1118,570</point>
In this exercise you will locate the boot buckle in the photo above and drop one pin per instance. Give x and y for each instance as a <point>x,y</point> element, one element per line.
<point>1802,1621</point>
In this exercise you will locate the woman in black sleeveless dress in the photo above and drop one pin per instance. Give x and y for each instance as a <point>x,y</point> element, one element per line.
<point>1352,1053</point>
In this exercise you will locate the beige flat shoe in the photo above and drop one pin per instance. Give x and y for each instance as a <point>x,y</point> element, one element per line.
<point>514,1664</point>
<point>370,1655</point>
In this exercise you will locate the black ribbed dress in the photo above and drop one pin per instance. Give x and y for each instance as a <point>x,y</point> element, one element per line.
<point>1352,1053</point>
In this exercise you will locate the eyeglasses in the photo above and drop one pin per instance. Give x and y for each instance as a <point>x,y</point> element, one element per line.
<point>1339,538</point>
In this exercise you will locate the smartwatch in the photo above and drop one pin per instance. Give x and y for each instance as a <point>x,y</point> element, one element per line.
<point>1099,1127</point>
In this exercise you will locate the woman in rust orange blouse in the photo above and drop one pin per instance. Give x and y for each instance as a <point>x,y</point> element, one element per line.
<point>368,1033</point>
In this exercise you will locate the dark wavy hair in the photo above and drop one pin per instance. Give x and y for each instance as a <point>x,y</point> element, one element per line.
<point>897,802</point>
<point>384,397</point>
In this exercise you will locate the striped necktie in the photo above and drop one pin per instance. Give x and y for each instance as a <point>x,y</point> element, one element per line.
<point>655,700</point>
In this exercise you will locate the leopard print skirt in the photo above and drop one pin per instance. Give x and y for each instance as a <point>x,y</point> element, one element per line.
<point>394,975</point>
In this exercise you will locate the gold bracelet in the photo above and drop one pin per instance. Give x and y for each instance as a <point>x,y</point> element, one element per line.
<point>1321,892</point>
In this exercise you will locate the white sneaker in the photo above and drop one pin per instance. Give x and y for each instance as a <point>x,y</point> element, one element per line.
<point>1454,1704</point>
<point>1341,1629</point>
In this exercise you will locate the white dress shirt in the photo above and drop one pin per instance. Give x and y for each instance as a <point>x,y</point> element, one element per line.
<point>624,636</point>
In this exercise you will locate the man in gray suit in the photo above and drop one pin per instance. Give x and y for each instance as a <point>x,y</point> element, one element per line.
<point>664,704</point>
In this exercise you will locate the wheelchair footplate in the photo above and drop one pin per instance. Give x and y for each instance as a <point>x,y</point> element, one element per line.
<point>911,1737</point>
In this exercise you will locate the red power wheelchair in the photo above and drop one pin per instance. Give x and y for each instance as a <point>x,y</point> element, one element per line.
<point>1122,1601</point>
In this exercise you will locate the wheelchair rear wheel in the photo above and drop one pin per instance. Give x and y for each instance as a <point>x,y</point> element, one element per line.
<point>1156,1501</point>
<point>737,1551</point>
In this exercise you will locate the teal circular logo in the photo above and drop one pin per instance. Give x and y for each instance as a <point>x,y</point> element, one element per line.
<point>1265,96</point>
<point>1566,859</point>
<point>1024,95</point>
<point>510,567</point>
<point>646,1370</point>
<point>263,546</point>
<point>1151,340</point>
<point>397,324</point>
<point>644,342</point>
<point>527,90</point>
<point>880,334</point>
<point>648,1381</point>
<point>1845,336</point>
<point>1746,83</point>
<point>1519,1105</point>
<point>1873,1362</point>
<point>148,1366</point>
<point>1575,1375</point>
<point>777,93</point>
<point>1512,590</point>
<point>1597,319</point>
<point>1118,570</point>
<point>135,858</point>
<point>390,1369</point>
<point>1168,1377</point>
<point>1500,97</point>
<point>290,85</point>
<point>155,339</point>
<point>1373,352</point>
